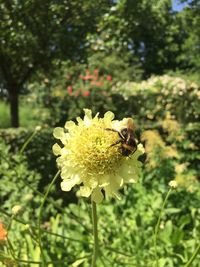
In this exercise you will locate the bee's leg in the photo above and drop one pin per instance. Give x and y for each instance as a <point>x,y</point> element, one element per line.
<point>110,129</point>
<point>117,142</point>
<point>113,130</point>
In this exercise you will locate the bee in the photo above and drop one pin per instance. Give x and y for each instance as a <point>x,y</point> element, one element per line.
<point>127,139</point>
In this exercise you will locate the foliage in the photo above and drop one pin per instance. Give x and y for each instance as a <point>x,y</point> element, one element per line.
<point>32,43</point>
<point>17,180</point>
<point>161,104</point>
<point>59,99</point>
<point>148,33</point>
<point>117,65</point>
<point>63,56</point>
<point>190,58</point>
<point>28,113</point>
<point>38,153</point>
<point>126,228</point>
<point>154,98</point>
<point>168,111</point>
<point>77,88</point>
<point>133,38</point>
<point>4,111</point>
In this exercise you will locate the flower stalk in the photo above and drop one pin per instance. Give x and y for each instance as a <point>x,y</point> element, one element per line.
<point>189,263</point>
<point>95,234</point>
<point>37,129</point>
<point>40,218</point>
<point>158,225</point>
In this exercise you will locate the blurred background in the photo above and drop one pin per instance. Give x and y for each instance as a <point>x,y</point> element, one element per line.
<point>55,55</point>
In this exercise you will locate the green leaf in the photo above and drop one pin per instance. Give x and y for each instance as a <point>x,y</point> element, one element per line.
<point>78,262</point>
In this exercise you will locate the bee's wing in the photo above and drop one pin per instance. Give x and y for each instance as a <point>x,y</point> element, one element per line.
<point>130,124</point>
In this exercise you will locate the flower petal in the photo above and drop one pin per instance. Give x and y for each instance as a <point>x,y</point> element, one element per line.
<point>58,133</point>
<point>85,191</point>
<point>109,116</point>
<point>67,185</point>
<point>88,117</point>
<point>56,149</point>
<point>69,124</point>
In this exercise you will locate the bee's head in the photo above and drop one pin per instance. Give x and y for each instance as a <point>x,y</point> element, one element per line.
<point>124,131</point>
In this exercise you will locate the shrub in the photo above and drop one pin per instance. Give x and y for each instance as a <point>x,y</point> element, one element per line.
<point>153,99</point>
<point>18,182</point>
<point>38,151</point>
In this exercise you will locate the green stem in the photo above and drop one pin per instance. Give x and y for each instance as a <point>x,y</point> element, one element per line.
<point>158,225</point>
<point>72,216</point>
<point>27,142</point>
<point>95,234</point>
<point>45,231</point>
<point>193,256</point>
<point>10,222</point>
<point>40,216</point>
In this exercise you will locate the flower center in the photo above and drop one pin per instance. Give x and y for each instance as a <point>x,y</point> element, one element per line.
<point>93,150</point>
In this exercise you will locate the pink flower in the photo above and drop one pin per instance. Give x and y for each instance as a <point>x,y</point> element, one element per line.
<point>88,77</point>
<point>109,78</point>
<point>96,71</point>
<point>69,90</point>
<point>86,93</point>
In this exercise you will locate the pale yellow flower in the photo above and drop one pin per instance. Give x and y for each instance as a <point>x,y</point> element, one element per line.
<point>173,184</point>
<point>187,180</point>
<point>87,158</point>
<point>16,209</point>
<point>38,128</point>
<point>180,168</point>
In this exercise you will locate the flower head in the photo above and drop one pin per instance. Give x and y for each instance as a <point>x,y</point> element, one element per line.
<point>173,184</point>
<point>109,78</point>
<point>86,93</point>
<point>16,209</point>
<point>88,158</point>
<point>70,90</point>
<point>38,128</point>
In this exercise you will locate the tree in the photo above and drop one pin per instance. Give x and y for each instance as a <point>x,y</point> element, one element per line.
<point>35,32</point>
<point>149,32</point>
<point>190,57</point>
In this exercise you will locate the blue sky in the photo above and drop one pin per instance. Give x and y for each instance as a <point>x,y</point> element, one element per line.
<point>179,6</point>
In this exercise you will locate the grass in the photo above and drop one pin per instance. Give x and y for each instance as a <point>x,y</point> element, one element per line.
<point>26,115</point>
<point>5,116</point>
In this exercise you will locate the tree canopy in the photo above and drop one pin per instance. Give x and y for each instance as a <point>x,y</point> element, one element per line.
<point>35,32</point>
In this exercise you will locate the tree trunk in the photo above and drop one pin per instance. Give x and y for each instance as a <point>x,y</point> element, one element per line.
<point>14,108</point>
